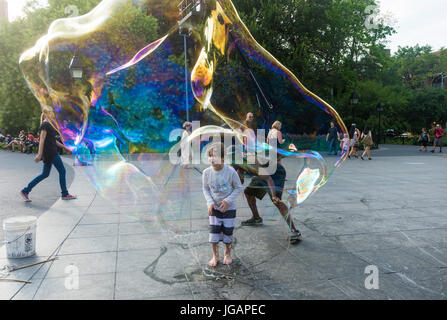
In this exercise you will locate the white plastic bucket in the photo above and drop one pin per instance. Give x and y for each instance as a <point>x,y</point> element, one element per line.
<point>20,236</point>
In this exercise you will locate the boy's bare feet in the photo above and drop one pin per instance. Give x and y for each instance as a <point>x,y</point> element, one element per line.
<point>213,262</point>
<point>227,260</point>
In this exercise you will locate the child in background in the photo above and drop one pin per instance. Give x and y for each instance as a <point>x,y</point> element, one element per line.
<point>221,187</point>
<point>439,133</point>
<point>345,144</point>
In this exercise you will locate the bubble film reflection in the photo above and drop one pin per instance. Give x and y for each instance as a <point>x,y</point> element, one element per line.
<point>119,118</point>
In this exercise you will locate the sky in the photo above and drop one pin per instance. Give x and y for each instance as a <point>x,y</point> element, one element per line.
<point>416,21</point>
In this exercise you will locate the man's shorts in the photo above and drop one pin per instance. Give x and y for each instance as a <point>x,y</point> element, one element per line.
<point>222,226</point>
<point>438,142</point>
<point>259,187</point>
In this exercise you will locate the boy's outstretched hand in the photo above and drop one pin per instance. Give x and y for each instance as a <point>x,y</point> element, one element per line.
<point>223,206</point>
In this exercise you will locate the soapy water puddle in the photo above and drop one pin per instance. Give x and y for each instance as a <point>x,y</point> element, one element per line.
<point>198,272</point>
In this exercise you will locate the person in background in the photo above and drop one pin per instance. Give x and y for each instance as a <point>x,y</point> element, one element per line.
<point>248,129</point>
<point>424,140</point>
<point>275,134</point>
<point>273,185</point>
<point>344,144</point>
<point>14,142</point>
<point>439,133</point>
<point>22,141</point>
<point>30,143</point>
<point>48,154</point>
<point>354,133</point>
<point>367,142</point>
<point>185,145</point>
<point>332,138</point>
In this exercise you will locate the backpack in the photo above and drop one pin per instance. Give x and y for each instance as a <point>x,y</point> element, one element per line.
<point>424,137</point>
<point>367,140</point>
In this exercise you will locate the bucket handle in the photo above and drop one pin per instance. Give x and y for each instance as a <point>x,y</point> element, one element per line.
<point>8,242</point>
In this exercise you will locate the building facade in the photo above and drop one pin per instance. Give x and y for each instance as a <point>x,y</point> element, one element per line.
<point>3,10</point>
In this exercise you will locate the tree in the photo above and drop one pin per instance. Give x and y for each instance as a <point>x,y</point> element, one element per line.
<point>18,108</point>
<point>322,41</point>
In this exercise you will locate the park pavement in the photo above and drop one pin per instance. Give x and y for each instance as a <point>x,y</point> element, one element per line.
<point>16,171</point>
<point>389,213</point>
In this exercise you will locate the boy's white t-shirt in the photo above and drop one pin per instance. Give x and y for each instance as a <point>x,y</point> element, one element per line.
<point>221,185</point>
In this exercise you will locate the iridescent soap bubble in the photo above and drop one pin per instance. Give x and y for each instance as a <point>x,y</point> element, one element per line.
<point>119,117</point>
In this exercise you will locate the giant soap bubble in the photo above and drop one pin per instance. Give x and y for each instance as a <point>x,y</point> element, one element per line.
<point>122,110</point>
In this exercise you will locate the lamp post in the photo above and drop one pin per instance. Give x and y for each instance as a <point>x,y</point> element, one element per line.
<point>354,100</point>
<point>380,110</point>
<point>76,70</point>
<point>187,9</point>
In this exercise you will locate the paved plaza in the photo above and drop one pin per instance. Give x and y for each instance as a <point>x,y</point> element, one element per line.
<point>390,212</point>
<point>16,171</point>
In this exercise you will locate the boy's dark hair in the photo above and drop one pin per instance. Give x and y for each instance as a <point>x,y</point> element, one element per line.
<point>216,146</point>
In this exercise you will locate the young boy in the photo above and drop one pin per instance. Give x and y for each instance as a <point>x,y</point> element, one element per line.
<point>221,187</point>
<point>344,143</point>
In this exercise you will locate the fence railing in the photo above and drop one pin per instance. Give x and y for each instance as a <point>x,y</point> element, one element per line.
<point>188,6</point>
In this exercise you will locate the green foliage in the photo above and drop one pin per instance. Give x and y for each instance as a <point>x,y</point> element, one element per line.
<point>136,22</point>
<point>18,107</point>
<point>324,42</point>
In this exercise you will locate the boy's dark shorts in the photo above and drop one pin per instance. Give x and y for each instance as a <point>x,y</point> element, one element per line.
<point>222,226</point>
<point>259,187</point>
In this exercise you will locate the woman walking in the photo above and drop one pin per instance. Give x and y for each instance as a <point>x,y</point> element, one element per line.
<point>367,142</point>
<point>275,134</point>
<point>48,154</point>
<point>354,134</point>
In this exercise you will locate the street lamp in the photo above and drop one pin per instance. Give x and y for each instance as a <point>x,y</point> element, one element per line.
<point>354,98</point>
<point>380,110</point>
<point>354,101</point>
<point>75,68</point>
<point>187,9</point>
